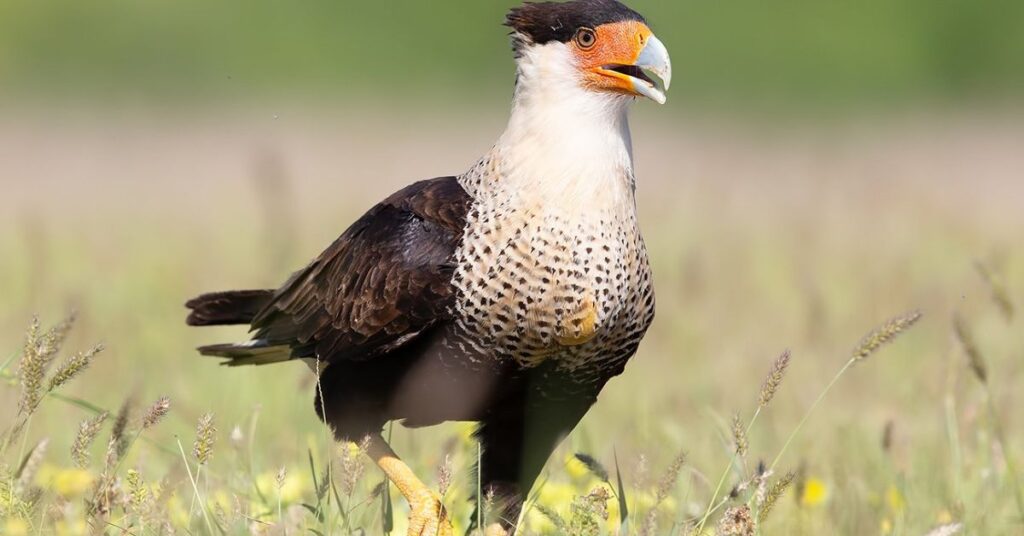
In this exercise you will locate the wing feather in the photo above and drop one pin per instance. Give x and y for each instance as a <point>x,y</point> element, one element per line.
<point>382,283</point>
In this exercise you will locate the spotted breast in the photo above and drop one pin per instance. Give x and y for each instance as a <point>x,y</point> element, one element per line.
<point>537,282</point>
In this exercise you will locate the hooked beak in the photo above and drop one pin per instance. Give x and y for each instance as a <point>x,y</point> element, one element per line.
<point>632,75</point>
<point>654,59</point>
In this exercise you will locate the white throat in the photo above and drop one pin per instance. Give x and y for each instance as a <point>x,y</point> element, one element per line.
<point>565,145</point>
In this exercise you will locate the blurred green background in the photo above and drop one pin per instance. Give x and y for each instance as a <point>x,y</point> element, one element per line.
<point>742,54</point>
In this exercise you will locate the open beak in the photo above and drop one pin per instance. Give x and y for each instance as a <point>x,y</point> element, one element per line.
<point>633,69</point>
<point>653,59</point>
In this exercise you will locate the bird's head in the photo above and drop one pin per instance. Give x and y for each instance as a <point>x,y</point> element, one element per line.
<point>601,46</point>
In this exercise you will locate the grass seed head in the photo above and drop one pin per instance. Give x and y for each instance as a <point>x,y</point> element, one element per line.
<point>887,435</point>
<point>56,335</point>
<point>665,487</point>
<point>444,475</point>
<point>974,357</point>
<point>118,434</point>
<point>736,521</point>
<point>138,493</point>
<point>1000,295</point>
<point>739,436</point>
<point>353,466</point>
<point>29,467</point>
<point>668,479</point>
<point>884,334</point>
<point>87,432</point>
<point>31,369</point>
<point>555,519</point>
<point>156,412</point>
<point>206,432</point>
<point>40,349</point>
<point>72,366</point>
<point>281,477</point>
<point>589,513</point>
<point>774,379</point>
<point>776,491</point>
<point>324,484</point>
<point>595,467</point>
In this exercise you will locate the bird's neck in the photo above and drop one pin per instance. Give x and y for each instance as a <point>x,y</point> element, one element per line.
<point>565,145</point>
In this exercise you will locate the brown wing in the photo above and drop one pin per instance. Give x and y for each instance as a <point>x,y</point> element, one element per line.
<point>386,280</point>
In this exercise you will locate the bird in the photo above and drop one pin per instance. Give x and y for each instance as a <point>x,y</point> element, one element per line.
<point>506,296</point>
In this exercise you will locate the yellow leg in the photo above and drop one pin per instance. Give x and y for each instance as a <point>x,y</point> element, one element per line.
<point>428,516</point>
<point>495,530</point>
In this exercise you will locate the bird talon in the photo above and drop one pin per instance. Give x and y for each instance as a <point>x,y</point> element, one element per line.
<point>428,516</point>
<point>495,530</point>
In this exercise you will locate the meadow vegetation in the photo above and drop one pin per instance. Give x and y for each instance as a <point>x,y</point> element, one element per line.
<point>714,428</point>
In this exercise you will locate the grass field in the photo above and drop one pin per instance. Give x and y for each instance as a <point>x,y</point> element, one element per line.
<point>764,237</point>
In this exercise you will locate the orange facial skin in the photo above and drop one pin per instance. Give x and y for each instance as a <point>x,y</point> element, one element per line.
<point>618,43</point>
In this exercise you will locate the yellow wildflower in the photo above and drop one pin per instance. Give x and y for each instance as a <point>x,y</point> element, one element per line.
<point>222,499</point>
<point>556,494</point>
<point>177,512</point>
<point>15,527</point>
<point>577,470</point>
<point>72,482</point>
<point>886,526</point>
<point>71,527</point>
<point>815,492</point>
<point>895,499</point>
<point>944,517</point>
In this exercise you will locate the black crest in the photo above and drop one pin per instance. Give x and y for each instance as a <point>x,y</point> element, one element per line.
<point>543,22</point>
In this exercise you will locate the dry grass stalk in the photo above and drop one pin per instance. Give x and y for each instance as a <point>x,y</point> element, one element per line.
<point>104,493</point>
<point>739,436</point>
<point>324,484</point>
<point>29,467</point>
<point>669,478</point>
<point>884,334</point>
<point>206,433</point>
<point>776,491</point>
<point>156,412</point>
<point>1000,295</point>
<point>665,487</point>
<point>887,435</point>
<point>72,367</point>
<point>87,432</point>
<point>974,357</point>
<point>774,379</point>
<point>353,466</point>
<point>281,477</point>
<point>119,440</point>
<point>736,521</point>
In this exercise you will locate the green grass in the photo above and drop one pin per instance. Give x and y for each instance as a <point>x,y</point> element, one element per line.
<point>905,441</point>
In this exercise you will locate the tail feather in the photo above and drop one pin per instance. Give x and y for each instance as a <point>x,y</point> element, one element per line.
<point>256,352</point>
<point>227,308</point>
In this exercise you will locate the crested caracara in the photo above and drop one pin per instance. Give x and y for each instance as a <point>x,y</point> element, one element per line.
<point>507,295</point>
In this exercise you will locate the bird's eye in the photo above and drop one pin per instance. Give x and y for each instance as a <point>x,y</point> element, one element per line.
<point>586,38</point>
